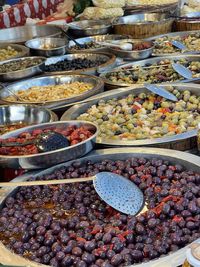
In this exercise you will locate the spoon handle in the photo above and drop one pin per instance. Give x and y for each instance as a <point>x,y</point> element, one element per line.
<point>50,182</point>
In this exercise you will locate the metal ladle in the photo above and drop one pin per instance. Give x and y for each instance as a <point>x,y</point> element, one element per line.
<point>124,46</point>
<point>178,45</point>
<point>117,191</point>
<point>82,46</point>
<point>161,92</point>
<point>45,142</point>
<point>182,70</point>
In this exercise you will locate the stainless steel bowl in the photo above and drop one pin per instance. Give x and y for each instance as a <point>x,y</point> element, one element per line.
<point>59,46</point>
<point>89,27</point>
<point>147,62</point>
<point>25,114</point>
<point>183,141</point>
<point>22,74</point>
<point>134,54</point>
<point>110,63</point>
<point>142,18</point>
<point>44,160</point>
<point>22,50</point>
<point>22,34</point>
<point>189,161</point>
<point>97,38</point>
<point>24,85</point>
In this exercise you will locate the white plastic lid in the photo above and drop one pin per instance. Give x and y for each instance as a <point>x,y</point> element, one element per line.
<point>190,257</point>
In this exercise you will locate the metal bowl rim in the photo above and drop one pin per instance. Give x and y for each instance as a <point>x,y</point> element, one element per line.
<point>42,49</point>
<point>32,127</point>
<point>22,58</point>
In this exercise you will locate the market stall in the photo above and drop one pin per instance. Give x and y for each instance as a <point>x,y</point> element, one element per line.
<point>100,119</point>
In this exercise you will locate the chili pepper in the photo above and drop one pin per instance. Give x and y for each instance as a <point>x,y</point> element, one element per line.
<point>177,218</point>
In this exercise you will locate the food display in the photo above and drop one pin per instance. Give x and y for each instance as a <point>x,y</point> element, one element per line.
<point>17,65</point>
<point>69,225</point>
<point>138,46</point>
<point>51,92</point>
<point>74,135</point>
<point>74,64</point>
<point>144,116</point>
<point>88,45</point>
<point>163,44</point>
<point>8,52</point>
<point>12,127</point>
<point>159,72</point>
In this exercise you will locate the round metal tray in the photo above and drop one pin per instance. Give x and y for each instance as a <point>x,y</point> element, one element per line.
<point>47,159</point>
<point>30,114</point>
<point>111,61</point>
<point>182,141</point>
<point>21,34</point>
<point>96,82</point>
<point>175,157</point>
<point>96,38</point>
<point>142,18</point>
<point>86,27</point>
<point>134,54</point>
<point>22,74</point>
<point>114,85</point>
<point>173,34</point>
<point>22,50</point>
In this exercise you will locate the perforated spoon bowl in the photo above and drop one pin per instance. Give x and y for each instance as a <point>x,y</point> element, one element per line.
<point>182,70</point>
<point>116,190</point>
<point>45,142</point>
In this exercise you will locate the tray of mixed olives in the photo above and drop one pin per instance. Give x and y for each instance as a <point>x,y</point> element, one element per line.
<point>164,46</point>
<point>90,43</point>
<point>21,68</point>
<point>87,63</point>
<point>136,117</point>
<point>70,225</point>
<point>154,70</point>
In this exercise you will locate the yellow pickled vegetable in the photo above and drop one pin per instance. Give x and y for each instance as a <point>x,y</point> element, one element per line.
<point>102,13</point>
<point>108,3</point>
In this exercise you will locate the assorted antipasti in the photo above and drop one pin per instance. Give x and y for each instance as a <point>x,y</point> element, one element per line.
<point>159,72</point>
<point>145,116</point>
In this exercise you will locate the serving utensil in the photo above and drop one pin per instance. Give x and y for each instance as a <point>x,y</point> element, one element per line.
<point>123,46</point>
<point>182,70</point>
<point>45,142</point>
<point>71,38</point>
<point>116,190</point>
<point>161,92</point>
<point>178,45</point>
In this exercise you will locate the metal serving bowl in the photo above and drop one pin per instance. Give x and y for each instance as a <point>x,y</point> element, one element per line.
<point>97,38</point>
<point>44,160</point>
<point>111,62</point>
<point>89,27</point>
<point>134,54</point>
<point>189,161</point>
<point>183,141</point>
<point>22,50</point>
<point>147,62</point>
<point>22,74</point>
<point>22,34</point>
<point>24,85</point>
<point>25,114</point>
<point>59,46</point>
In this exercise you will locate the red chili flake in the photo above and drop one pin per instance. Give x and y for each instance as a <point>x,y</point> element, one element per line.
<point>177,218</point>
<point>96,230</point>
<point>191,219</point>
<point>145,177</point>
<point>157,189</point>
<point>81,239</point>
<point>140,168</point>
<point>173,168</point>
